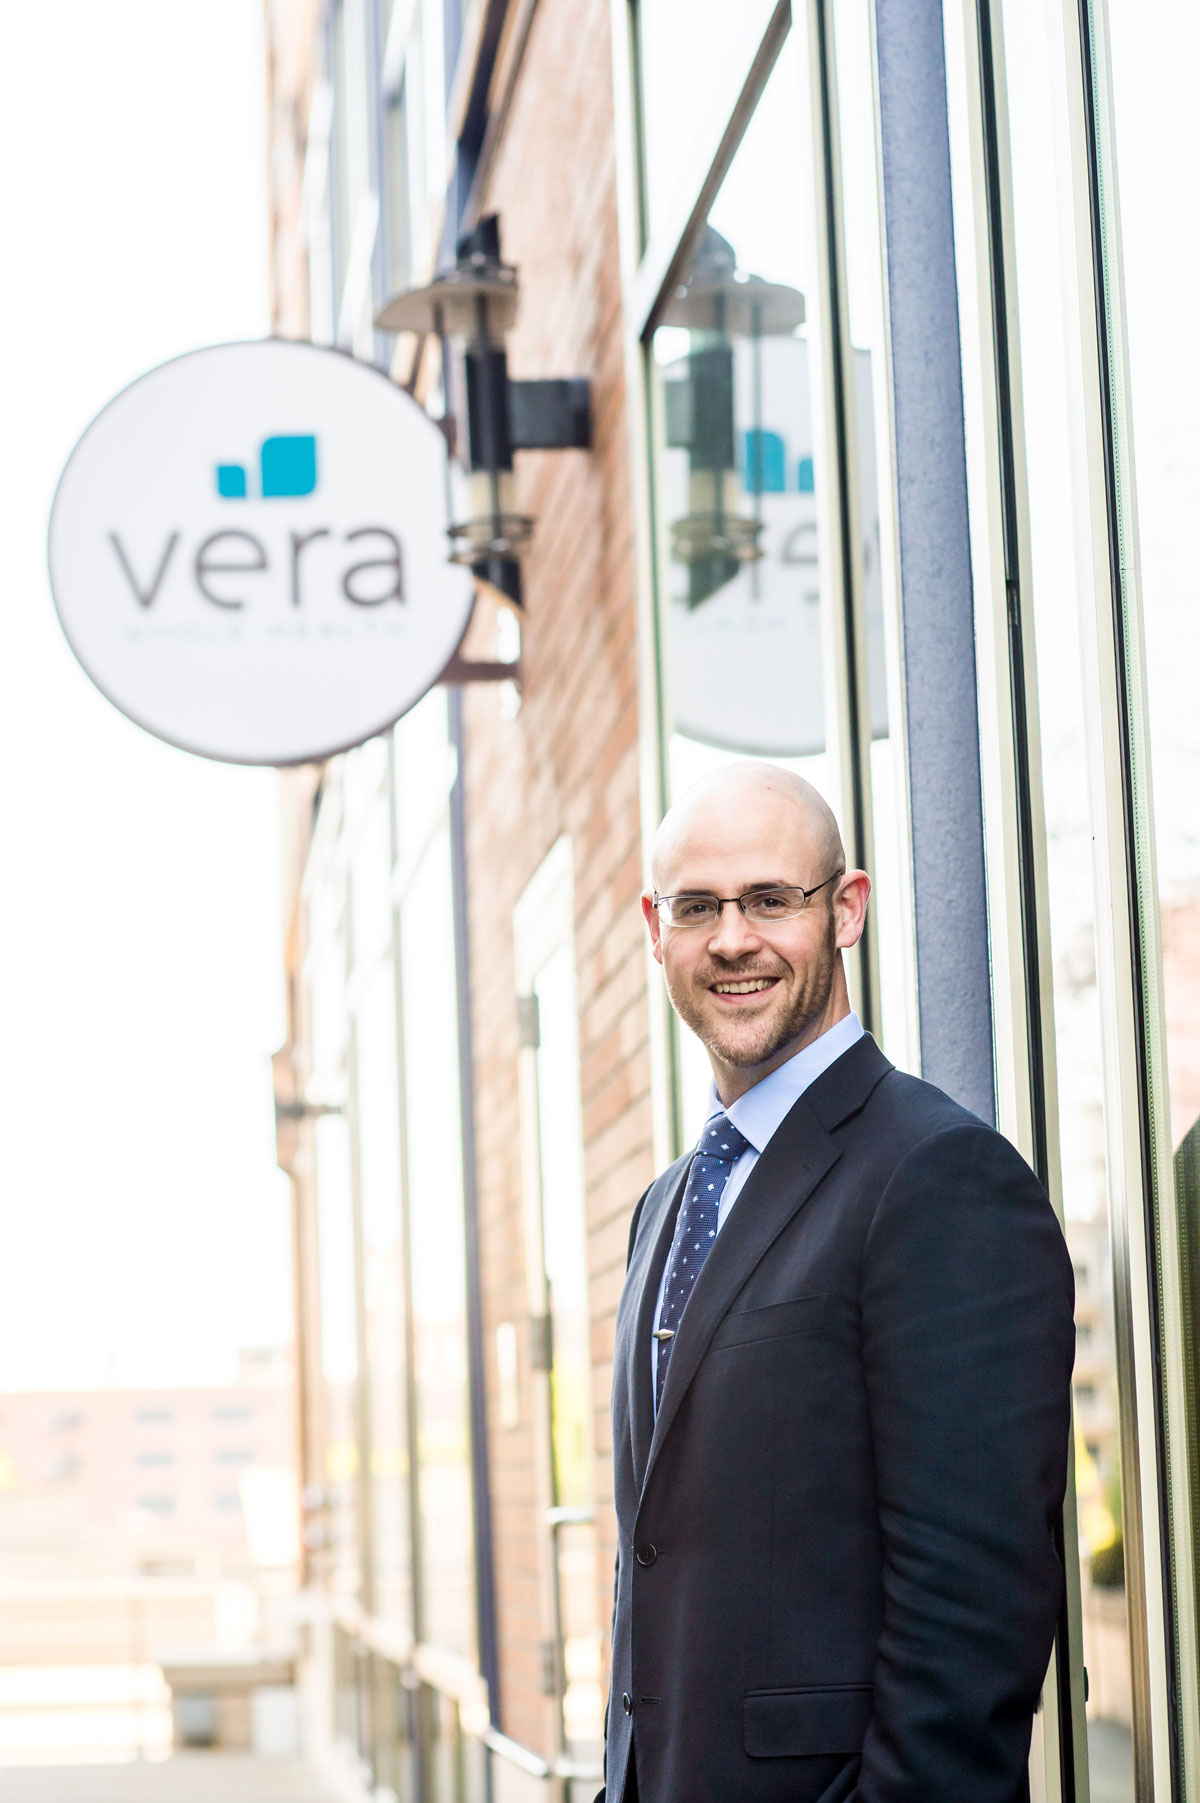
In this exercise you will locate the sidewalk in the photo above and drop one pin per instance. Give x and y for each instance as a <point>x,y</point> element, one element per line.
<point>185,1778</point>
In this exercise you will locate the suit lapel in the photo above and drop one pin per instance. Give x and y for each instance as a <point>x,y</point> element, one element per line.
<point>636,1315</point>
<point>798,1155</point>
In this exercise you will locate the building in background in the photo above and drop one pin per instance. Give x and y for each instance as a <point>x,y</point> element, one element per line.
<point>138,1479</point>
<point>858,495</point>
<point>148,1564</point>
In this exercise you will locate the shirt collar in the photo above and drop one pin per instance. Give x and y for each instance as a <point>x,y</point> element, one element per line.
<point>758,1113</point>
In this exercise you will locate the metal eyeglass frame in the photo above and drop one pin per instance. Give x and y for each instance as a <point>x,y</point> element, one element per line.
<point>723,901</point>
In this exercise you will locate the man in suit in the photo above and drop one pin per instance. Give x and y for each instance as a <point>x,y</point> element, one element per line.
<point>841,1377</point>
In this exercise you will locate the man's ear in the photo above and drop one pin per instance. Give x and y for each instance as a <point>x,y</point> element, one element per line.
<point>653,922</point>
<point>850,907</point>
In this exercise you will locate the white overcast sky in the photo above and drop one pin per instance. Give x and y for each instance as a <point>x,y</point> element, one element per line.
<point>145,1226</point>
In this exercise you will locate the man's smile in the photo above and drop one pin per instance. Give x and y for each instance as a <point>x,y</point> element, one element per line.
<point>739,990</point>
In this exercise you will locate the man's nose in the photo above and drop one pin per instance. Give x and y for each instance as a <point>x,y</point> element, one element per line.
<point>732,934</point>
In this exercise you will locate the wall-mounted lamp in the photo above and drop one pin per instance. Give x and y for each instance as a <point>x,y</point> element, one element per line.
<point>717,306</point>
<point>471,308</point>
<point>292,1108</point>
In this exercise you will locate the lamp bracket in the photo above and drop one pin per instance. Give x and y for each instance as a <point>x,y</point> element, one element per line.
<point>304,1111</point>
<point>464,669</point>
<point>553,415</point>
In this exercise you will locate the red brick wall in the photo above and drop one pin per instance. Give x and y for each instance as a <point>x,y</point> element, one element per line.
<point>568,764</point>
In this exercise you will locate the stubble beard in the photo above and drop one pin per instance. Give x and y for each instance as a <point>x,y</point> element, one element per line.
<point>744,1044</point>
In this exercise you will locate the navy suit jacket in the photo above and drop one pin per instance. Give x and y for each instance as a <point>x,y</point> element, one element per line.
<point>837,1575</point>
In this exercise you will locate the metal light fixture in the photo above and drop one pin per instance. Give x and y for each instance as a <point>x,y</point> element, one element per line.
<point>471,309</point>
<point>717,306</point>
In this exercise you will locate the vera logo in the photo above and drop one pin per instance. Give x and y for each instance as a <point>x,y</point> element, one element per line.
<point>287,470</point>
<point>266,598</point>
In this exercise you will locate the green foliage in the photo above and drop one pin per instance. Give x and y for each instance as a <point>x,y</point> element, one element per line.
<point>1108,1566</point>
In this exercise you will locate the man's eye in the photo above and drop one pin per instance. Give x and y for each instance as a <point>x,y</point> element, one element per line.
<point>770,903</point>
<point>696,909</point>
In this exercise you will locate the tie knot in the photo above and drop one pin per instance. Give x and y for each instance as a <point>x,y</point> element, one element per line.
<point>721,1139</point>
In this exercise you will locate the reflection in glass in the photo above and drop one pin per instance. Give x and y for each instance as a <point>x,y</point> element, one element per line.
<point>741,515</point>
<point>738,476</point>
<point>435,1187</point>
<point>735,489</point>
<point>1053,433</point>
<point>687,49</point>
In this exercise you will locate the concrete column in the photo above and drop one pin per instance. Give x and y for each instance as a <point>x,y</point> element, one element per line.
<point>954,988</point>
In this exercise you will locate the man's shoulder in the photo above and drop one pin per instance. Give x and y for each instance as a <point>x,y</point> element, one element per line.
<point>905,1121</point>
<point>863,1092</point>
<point>914,1110</point>
<point>924,1133</point>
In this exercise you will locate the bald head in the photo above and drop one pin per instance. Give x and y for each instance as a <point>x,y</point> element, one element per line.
<point>753,986</point>
<point>749,800</point>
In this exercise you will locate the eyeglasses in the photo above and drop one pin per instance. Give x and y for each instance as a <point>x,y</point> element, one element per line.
<point>762,906</point>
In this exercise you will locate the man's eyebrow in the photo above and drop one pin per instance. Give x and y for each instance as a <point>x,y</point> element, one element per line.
<point>782,882</point>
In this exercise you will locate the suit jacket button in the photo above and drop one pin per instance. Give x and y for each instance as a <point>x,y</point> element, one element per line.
<point>627,1702</point>
<point>645,1554</point>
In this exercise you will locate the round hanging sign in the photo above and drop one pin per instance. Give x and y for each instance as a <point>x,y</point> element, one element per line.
<point>248,552</point>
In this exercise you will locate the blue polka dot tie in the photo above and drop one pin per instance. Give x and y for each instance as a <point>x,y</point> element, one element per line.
<point>696,1229</point>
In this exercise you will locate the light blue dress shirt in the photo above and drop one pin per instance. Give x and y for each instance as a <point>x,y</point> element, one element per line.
<point>758,1114</point>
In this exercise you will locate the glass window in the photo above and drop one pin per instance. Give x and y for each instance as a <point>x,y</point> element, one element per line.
<point>426,155</point>
<point>455,1761</point>
<point>391,1723</point>
<point>435,1191</point>
<point>327,973</point>
<point>371,884</point>
<point>376,1109</point>
<point>1054,451</point>
<point>689,52</point>
<point>432,39</point>
<point>1154,58</point>
<point>564,1245</point>
<point>341,196</point>
<point>735,491</point>
<point>415,110</point>
<point>563,1228</point>
<point>339,1346</point>
<point>348,1659</point>
<point>866,310</point>
<point>424,763</point>
<point>399,219</point>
